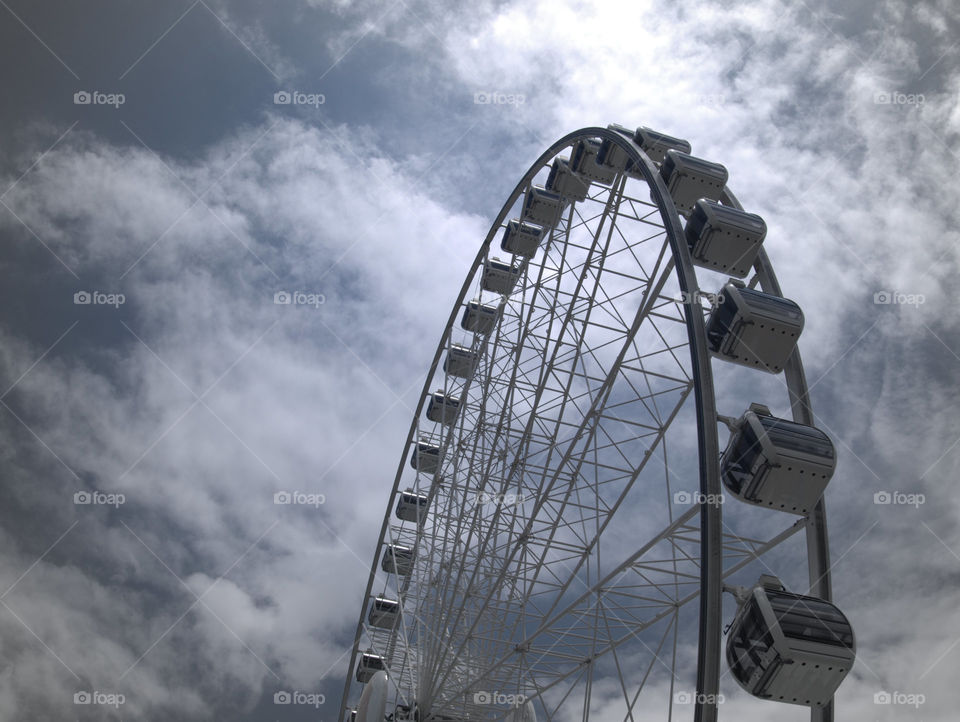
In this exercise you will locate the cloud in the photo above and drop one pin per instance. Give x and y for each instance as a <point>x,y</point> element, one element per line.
<point>209,398</point>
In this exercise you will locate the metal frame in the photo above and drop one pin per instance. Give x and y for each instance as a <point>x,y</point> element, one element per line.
<point>709,535</point>
<point>818,543</point>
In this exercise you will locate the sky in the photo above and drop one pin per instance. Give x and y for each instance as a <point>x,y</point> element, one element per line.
<point>182,197</point>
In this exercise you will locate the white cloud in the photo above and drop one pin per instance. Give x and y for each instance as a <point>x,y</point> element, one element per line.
<point>300,410</point>
<point>859,198</point>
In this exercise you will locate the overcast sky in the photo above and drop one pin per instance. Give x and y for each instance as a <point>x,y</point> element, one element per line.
<point>182,197</point>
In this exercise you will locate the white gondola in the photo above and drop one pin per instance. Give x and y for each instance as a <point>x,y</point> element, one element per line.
<point>789,647</point>
<point>723,238</point>
<point>412,506</point>
<point>409,713</point>
<point>383,613</point>
<point>499,276</point>
<point>541,206</point>
<point>521,239</point>
<point>524,713</point>
<point>612,155</point>
<point>443,408</point>
<point>460,362</point>
<point>564,181</point>
<point>777,463</point>
<point>369,665</point>
<point>480,318</point>
<point>689,179</point>
<point>425,457</point>
<point>753,328</point>
<point>656,144</point>
<point>583,160</point>
<point>397,559</point>
<point>373,700</point>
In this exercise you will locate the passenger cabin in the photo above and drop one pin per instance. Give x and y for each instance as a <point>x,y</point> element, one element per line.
<point>656,144</point>
<point>521,239</point>
<point>689,179</point>
<point>583,160</point>
<point>542,206</point>
<point>788,647</point>
<point>369,665</point>
<point>499,276</point>
<point>383,613</point>
<point>723,238</point>
<point>425,457</point>
<point>412,506</point>
<point>443,408</point>
<point>564,181</point>
<point>777,463</point>
<point>460,362</point>
<point>480,318</point>
<point>614,156</point>
<point>753,328</point>
<point>397,559</point>
<point>409,713</point>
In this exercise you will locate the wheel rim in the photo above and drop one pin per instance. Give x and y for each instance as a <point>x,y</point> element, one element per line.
<point>463,630</point>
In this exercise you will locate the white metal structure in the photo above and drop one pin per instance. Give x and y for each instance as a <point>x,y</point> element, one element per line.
<point>572,559</point>
<point>789,647</point>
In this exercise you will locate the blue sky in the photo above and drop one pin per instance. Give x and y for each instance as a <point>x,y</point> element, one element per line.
<point>197,398</point>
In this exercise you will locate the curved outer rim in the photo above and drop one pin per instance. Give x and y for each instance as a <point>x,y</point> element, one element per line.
<point>818,543</point>
<point>708,654</point>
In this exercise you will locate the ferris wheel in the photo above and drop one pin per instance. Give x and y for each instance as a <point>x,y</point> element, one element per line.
<point>556,543</point>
